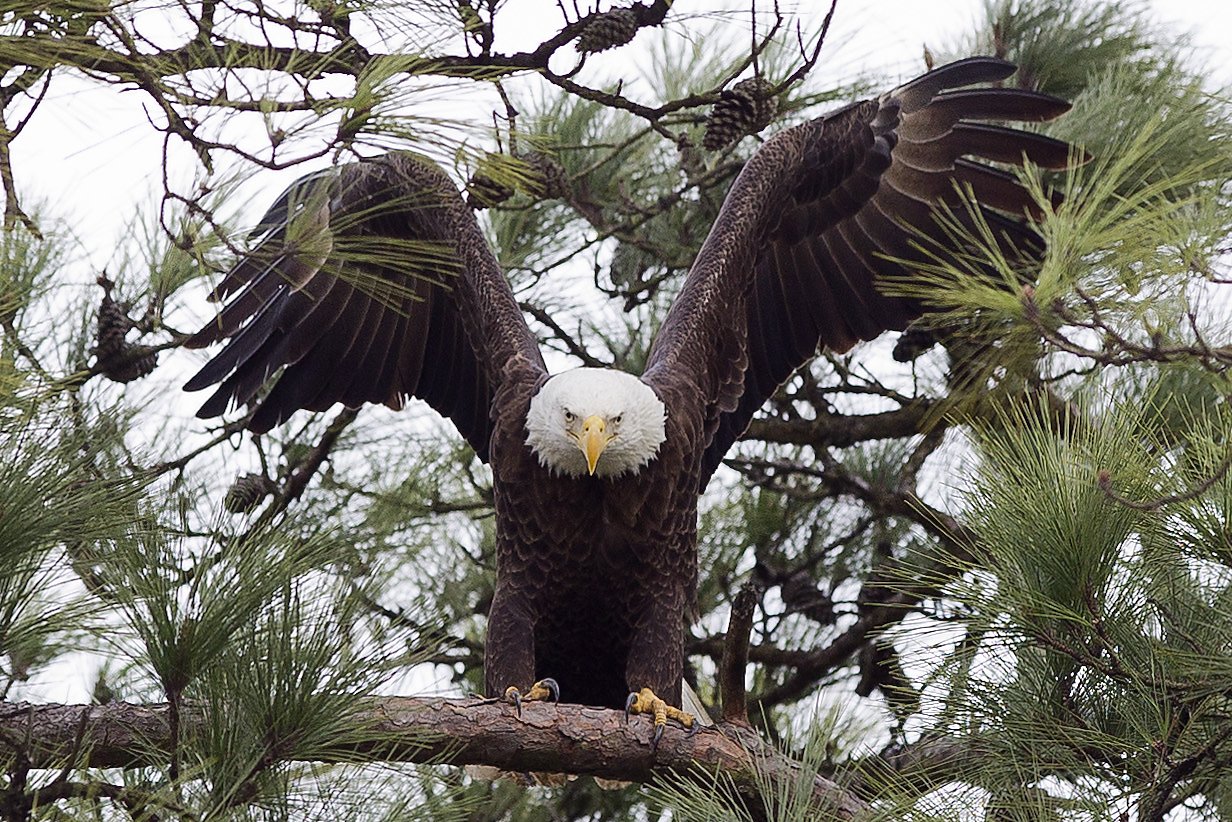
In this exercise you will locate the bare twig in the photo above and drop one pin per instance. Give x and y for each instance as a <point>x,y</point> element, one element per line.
<point>568,340</point>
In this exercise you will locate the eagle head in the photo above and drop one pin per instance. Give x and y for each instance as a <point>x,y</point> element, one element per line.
<point>595,421</point>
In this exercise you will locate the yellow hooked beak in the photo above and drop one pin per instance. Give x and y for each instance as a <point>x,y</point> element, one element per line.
<point>593,440</point>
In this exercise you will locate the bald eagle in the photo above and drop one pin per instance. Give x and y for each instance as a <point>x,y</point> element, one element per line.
<point>597,473</point>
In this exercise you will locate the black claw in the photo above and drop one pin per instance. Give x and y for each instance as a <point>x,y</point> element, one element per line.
<point>693,727</point>
<point>658,734</point>
<point>517,702</point>
<point>629,706</point>
<point>553,688</point>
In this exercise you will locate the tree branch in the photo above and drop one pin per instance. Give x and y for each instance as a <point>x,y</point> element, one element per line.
<point>546,737</point>
<point>843,430</point>
<point>736,654</point>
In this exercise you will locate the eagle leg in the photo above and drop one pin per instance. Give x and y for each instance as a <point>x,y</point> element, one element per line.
<point>544,690</point>
<point>645,702</point>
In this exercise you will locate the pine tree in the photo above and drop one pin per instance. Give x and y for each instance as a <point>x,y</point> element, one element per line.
<point>991,580</point>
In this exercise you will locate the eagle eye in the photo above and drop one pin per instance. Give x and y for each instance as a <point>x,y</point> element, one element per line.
<point>570,417</point>
<point>616,419</point>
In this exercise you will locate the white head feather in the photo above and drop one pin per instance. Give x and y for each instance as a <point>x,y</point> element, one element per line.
<point>632,414</point>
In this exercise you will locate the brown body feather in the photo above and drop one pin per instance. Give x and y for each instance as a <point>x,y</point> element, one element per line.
<point>595,576</point>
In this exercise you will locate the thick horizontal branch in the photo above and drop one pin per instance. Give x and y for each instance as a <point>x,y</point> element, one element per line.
<point>557,738</point>
<point>843,430</point>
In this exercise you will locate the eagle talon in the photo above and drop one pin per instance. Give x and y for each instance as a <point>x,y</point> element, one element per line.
<point>545,690</point>
<point>646,702</point>
<point>512,694</point>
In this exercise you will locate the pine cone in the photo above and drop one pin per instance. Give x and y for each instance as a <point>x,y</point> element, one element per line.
<point>247,492</point>
<point>547,177</point>
<point>113,324</point>
<point>800,594</point>
<point>132,362</point>
<point>607,31</point>
<point>914,342</point>
<point>484,192</point>
<point>118,359</point>
<point>745,108</point>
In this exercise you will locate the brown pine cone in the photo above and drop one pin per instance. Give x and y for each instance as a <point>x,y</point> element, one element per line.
<point>247,492</point>
<point>547,178</point>
<point>132,362</point>
<point>484,192</point>
<point>113,324</point>
<point>607,31</point>
<point>745,108</point>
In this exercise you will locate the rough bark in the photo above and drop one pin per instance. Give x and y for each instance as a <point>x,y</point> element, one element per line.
<point>736,655</point>
<point>558,738</point>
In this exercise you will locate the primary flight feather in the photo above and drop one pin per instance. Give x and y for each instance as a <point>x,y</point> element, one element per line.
<point>596,473</point>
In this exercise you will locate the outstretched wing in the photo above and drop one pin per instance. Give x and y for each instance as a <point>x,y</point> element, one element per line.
<point>370,283</point>
<point>825,210</point>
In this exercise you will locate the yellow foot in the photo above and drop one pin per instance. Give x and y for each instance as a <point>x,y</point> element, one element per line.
<point>645,702</point>
<point>543,690</point>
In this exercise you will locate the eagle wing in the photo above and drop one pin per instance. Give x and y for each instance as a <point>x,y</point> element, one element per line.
<point>825,210</point>
<point>371,282</point>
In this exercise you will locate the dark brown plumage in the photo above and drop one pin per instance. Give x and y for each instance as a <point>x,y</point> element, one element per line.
<point>373,283</point>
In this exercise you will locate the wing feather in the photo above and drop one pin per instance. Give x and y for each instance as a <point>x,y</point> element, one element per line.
<point>368,283</point>
<point>250,347</point>
<point>827,209</point>
<point>991,142</point>
<point>323,344</point>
